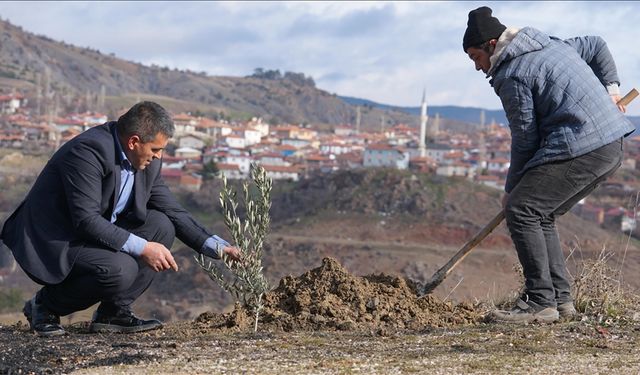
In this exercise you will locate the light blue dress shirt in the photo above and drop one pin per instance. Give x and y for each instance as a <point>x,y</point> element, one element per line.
<point>135,244</point>
<point>212,247</point>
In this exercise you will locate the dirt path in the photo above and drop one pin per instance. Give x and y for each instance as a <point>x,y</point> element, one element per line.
<point>567,348</point>
<point>395,246</point>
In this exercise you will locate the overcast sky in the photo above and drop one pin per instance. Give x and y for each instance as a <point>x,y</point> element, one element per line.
<point>382,51</point>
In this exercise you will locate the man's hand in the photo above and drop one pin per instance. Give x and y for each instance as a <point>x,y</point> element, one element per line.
<point>158,257</point>
<point>616,99</point>
<point>232,252</point>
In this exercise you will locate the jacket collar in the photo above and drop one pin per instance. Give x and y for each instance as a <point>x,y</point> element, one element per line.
<point>516,44</point>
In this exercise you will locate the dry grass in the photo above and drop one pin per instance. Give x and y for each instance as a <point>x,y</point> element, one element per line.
<point>598,289</point>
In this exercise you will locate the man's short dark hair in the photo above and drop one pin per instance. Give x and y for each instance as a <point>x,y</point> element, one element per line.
<point>146,120</point>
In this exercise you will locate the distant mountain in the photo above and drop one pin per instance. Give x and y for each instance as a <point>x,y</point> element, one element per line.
<point>465,114</point>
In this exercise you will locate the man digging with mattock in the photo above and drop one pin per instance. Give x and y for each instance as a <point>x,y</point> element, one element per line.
<point>559,97</point>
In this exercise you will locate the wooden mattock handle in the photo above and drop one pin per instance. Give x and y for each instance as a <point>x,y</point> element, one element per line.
<point>628,98</point>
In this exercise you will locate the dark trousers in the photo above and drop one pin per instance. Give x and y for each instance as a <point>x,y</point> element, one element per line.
<point>114,278</point>
<point>544,193</point>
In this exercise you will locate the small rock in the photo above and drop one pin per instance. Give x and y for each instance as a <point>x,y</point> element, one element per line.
<point>347,325</point>
<point>373,303</point>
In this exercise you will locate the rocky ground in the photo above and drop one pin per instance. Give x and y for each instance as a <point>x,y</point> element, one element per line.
<point>329,321</point>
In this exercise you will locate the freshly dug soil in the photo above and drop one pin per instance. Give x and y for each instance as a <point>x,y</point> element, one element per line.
<point>330,298</point>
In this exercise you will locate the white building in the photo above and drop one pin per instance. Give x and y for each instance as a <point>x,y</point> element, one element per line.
<point>498,165</point>
<point>380,155</point>
<point>335,148</point>
<point>277,172</point>
<point>437,151</point>
<point>188,152</point>
<point>191,141</point>
<point>231,171</point>
<point>234,141</point>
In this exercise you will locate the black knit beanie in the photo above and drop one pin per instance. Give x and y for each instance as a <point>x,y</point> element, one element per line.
<point>481,27</point>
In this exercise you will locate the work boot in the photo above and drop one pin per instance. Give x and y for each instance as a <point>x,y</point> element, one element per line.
<point>123,321</point>
<point>41,320</point>
<point>567,310</point>
<point>525,312</point>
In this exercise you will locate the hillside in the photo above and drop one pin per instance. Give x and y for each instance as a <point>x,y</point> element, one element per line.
<point>372,221</point>
<point>70,73</point>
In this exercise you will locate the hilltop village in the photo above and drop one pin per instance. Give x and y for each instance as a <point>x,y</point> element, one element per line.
<point>203,148</point>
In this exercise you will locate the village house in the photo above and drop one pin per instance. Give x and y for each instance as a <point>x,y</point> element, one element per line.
<point>231,171</point>
<point>500,165</point>
<point>477,160</point>
<point>344,130</point>
<point>234,141</point>
<point>214,129</point>
<point>437,151</point>
<point>349,160</point>
<point>490,180</point>
<point>285,150</point>
<point>188,152</point>
<point>456,169</point>
<point>257,124</point>
<point>589,212</point>
<point>89,119</point>
<point>241,159</point>
<point>191,141</point>
<point>400,135</point>
<point>452,157</point>
<point>179,179</point>
<point>11,103</point>
<point>620,219</point>
<point>13,139</point>
<point>66,123</point>
<point>251,136</point>
<point>176,162</point>
<point>278,172</point>
<point>335,148</point>
<point>422,164</point>
<point>296,142</point>
<point>271,158</point>
<point>383,155</point>
<point>317,162</point>
<point>190,181</point>
<point>185,123</point>
<point>294,132</point>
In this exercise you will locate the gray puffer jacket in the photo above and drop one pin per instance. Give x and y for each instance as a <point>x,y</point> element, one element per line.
<point>554,95</point>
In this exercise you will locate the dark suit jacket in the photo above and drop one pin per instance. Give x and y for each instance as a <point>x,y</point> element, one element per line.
<point>71,203</point>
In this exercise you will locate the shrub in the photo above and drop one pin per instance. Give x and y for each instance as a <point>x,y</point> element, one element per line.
<point>245,279</point>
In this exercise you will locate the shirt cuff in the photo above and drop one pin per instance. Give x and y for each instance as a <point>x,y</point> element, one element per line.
<point>213,247</point>
<point>613,89</point>
<point>134,245</point>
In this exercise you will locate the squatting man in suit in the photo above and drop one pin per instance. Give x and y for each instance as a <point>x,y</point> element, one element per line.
<point>566,137</point>
<point>98,224</point>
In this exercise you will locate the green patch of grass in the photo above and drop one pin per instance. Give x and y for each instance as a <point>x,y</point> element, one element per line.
<point>10,300</point>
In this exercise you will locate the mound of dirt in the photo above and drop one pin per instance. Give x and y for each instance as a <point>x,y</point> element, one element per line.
<point>330,298</point>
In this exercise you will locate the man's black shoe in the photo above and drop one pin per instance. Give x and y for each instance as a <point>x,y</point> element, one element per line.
<point>42,321</point>
<point>122,322</point>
